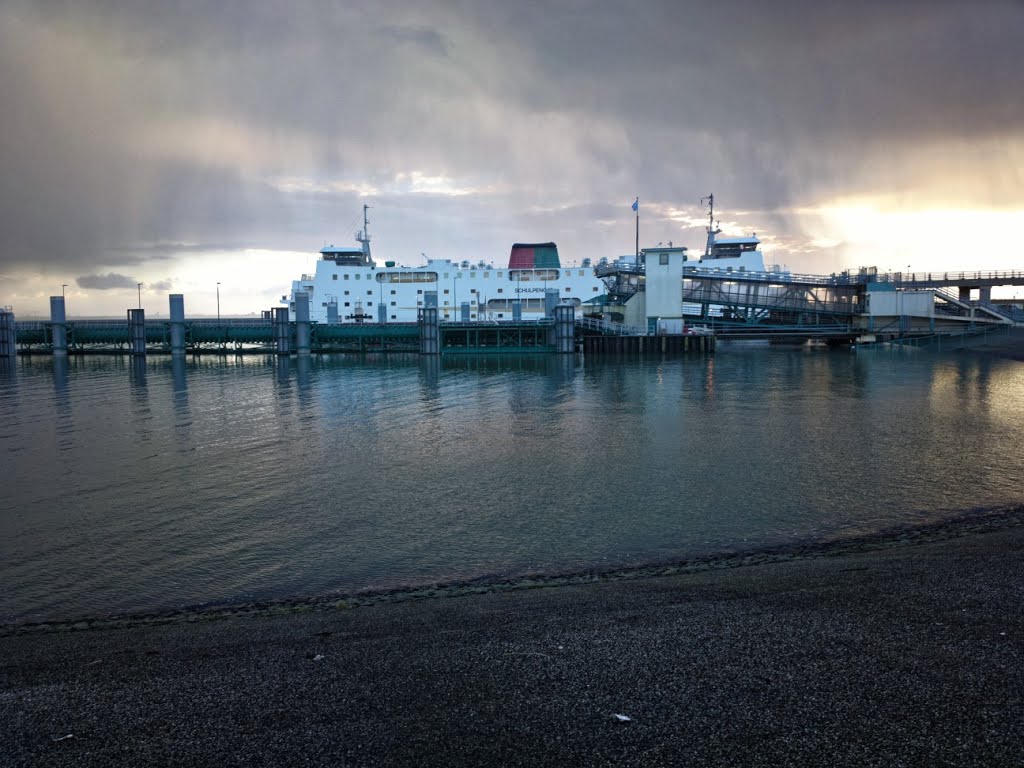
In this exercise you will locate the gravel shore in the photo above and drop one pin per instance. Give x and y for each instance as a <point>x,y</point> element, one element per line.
<point>906,649</point>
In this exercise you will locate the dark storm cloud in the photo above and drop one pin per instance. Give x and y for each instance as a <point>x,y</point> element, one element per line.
<point>128,126</point>
<point>430,40</point>
<point>106,282</point>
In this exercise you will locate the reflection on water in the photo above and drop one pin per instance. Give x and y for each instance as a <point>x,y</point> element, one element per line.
<point>147,484</point>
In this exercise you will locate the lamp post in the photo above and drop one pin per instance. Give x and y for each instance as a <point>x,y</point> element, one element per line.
<point>218,303</point>
<point>62,287</point>
<point>139,286</point>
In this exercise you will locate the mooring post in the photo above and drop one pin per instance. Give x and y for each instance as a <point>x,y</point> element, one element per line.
<point>565,329</point>
<point>550,302</point>
<point>8,334</point>
<point>137,331</point>
<point>282,331</point>
<point>177,302</point>
<point>430,330</point>
<point>58,325</point>
<point>302,329</point>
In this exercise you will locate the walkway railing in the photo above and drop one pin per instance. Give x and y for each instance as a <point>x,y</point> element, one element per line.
<point>932,279</point>
<point>609,327</point>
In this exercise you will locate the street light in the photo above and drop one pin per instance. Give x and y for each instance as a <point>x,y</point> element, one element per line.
<point>62,287</point>
<point>218,302</point>
<point>139,285</point>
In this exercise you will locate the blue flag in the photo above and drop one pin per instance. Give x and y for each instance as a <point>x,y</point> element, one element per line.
<point>636,205</point>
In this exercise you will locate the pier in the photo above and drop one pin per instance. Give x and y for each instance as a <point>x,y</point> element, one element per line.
<point>275,333</point>
<point>866,307</point>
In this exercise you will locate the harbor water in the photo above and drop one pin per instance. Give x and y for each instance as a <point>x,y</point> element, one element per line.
<point>151,485</point>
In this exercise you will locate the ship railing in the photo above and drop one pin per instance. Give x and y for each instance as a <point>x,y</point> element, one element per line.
<point>776,278</point>
<point>604,270</point>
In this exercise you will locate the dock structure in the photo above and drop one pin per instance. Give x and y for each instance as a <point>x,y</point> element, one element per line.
<point>58,326</point>
<point>684,312</point>
<point>667,294</point>
<point>8,334</point>
<point>594,344</point>
<point>965,283</point>
<point>177,327</point>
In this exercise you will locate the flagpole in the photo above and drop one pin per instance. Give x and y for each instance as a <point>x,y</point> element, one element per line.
<point>636,207</point>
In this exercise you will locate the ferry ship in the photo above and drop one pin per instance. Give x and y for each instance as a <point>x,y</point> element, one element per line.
<point>721,254</point>
<point>349,287</point>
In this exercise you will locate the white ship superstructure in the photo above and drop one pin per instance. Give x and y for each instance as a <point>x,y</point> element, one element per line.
<point>349,287</point>
<point>731,254</point>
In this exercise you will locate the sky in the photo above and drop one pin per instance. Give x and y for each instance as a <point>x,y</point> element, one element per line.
<point>183,144</point>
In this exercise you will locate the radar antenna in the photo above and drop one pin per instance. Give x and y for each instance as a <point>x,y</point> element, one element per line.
<point>712,229</point>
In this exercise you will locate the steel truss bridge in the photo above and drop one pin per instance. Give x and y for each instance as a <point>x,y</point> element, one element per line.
<point>777,303</point>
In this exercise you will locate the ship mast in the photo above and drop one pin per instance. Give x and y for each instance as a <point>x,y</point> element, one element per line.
<point>712,230</point>
<point>363,236</point>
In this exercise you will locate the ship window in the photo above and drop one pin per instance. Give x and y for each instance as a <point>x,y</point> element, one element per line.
<point>407,277</point>
<point>595,289</point>
<point>568,290</point>
<point>369,293</point>
<point>393,303</point>
<point>419,291</point>
<point>445,291</point>
<point>472,274</point>
<point>369,303</point>
<point>581,273</point>
<point>334,277</point>
<point>393,317</point>
<point>392,292</point>
<point>472,317</point>
<point>487,274</point>
<point>499,274</point>
<point>346,303</point>
<point>358,276</point>
<point>500,315</point>
<point>445,275</point>
<point>446,303</point>
<point>526,275</point>
<point>346,275</point>
<point>501,290</point>
<point>346,293</point>
<point>663,258</point>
